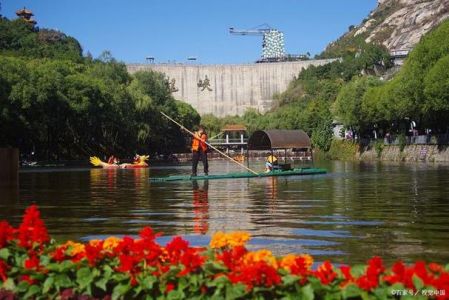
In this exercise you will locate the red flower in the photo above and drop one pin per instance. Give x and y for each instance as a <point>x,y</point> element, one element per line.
<point>404,275</point>
<point>169,287</point>
<point>133,280</point>
<point>127,263</point>
<point>32,230</point>
<point>300,267</point>
<point>370,279</point>
<point>6,233</point>
<point>346,271</point>
<point>325,273</point>
<point>421,271</point>
<point>32,262</point>
<point>191,260</point>
<point>231,258</point>
<point>257,274</point>
<point>436,268</point>
<point>442,284</point>
<point>179,253</point>
<point>59,254</point>
<point>94,252</point>
<point>148,234</point>
<point>176,246</point>
<point>3,270</point>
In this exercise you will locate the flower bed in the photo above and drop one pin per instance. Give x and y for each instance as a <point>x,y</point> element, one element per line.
<point>33,266</point>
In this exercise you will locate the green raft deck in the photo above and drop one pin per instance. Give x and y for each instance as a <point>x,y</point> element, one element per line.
<point>292,172</point>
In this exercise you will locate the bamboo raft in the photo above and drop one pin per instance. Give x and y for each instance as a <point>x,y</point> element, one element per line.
<point>274,173</point>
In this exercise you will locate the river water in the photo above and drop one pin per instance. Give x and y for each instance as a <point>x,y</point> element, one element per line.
<point>357,210</point>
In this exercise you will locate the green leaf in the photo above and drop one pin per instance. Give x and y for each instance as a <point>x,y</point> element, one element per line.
<point>84,277</point>
<point>417,282</point>
<point>290,279</point>
<point>107,272</point>
<point>307,292</point>
<point>9,285</point>
<point>48,283</point>
<point>182,283</point>
<point>147,282</point>
<point>101,283</point>
<point>22,287</point>
<point>381,293</point>
<point>176,295</point>
<point>120,290</point>
<point>358,270</point>
<point>63,281</point>
<point>119,277</point>
<point>4,253</point>
<point>234,291</point>
<point>45,260</point>
<point>33,290</point>
<point>351,290</point>
<point>53,267</point>
<point>218,282</point>
<point>214,267</point>
<point>65,266</point>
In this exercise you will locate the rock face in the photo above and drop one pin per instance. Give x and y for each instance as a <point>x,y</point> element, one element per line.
<point>407,24</point>
<point>397,24</point>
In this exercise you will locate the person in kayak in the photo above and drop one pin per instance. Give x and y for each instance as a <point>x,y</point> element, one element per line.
<point>199,151</point>
<point>112,160</point>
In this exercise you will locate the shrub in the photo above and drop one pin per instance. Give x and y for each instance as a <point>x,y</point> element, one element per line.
<point>379,147</point>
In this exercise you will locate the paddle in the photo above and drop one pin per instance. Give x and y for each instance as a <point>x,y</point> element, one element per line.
<point>224,154</point>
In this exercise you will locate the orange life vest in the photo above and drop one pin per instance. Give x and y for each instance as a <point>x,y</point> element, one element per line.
<point>199,142</point>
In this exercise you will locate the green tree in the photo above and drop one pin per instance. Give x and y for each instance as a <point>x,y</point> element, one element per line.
<point>348,106</point>
<point>436,91</point>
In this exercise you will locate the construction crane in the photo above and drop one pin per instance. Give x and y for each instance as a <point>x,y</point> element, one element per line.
<point>272,44</point>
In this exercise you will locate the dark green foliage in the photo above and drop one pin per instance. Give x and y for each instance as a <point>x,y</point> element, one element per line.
<point>347,107</point>
<point>419,90</point>
<point>19,38</point>
<point>342,150</point>
<point>60,105</point>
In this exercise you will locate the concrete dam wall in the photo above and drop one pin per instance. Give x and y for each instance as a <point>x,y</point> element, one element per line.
<point>224,90</point>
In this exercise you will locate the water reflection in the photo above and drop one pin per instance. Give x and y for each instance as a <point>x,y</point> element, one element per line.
<point>200,207</point>
<point>356,211</point>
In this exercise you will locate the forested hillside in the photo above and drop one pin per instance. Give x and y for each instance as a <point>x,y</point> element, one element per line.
<point>61,105</point>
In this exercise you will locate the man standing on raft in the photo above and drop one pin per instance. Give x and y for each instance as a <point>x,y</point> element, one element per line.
<point>199,151</point>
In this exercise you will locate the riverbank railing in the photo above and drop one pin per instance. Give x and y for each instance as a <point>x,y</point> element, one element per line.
<point>439,139</point>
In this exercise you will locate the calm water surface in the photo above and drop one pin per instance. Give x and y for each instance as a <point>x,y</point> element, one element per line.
<point>356,211</point>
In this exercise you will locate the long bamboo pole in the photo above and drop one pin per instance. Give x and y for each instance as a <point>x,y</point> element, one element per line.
<point>224,154</point>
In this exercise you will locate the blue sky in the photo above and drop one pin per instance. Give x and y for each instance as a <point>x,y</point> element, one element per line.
<point>174,30</point>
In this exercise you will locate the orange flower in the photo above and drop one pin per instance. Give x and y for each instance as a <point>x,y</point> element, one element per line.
<point>290,260</point>
<point>259,256</point>
<point>74,248</point>
<point>232,239</point>
<point>111,243</point>
<point>94,243</point>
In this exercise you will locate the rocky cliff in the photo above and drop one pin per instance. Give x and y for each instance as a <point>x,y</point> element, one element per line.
<point>397,24</point>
